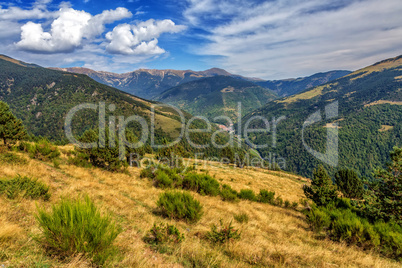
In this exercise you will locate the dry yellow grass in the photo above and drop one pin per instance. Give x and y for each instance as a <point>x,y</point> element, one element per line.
<point>387,64</point>
<point>275,237</point>
<point>385,128</point>
<point>379,102</point>
<point>308,94</point>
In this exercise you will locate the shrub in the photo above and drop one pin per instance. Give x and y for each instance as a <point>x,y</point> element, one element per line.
<point>163,233</point>
<point>23,146</point>
<point>201,183</point>
<point>147,173</point>
<point>179,205</point>
<point>74,227</point>
<point>318,219</point>
<point>162,180</point>
<point>25,187</point>
<point>295,205</point>
<point>287,204</point>
<point>390,239</point>
<point>241,218</point>
<point>228,194</point>
<point>278,201</point>
<point>266,197</point>
<point>224,233</point>
<point>79,159</point>
<point>44,150</point>
<point>247,194</point>
<point>12,158</point>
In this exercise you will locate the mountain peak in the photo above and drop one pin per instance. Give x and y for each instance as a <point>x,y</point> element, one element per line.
<point>216,71</point>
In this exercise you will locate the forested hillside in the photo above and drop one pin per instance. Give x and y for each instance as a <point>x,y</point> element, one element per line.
<point>368,121</point>
<point>217,96</point>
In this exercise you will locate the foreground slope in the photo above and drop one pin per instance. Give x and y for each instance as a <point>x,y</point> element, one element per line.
<point>273,237</point>
<point>369,120</point>
<point>217,96</point>
<point>42,97</point>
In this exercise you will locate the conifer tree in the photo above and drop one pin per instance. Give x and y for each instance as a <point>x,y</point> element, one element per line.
<point>11,128</point>
<point>349,183</point>
<point>322,191</point>
<point>384,197</point>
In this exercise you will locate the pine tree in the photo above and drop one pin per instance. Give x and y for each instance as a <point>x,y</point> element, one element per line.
<point>322,191</point>
<point>349,183</point>
<point>11,128</point>
<point>384,197</point>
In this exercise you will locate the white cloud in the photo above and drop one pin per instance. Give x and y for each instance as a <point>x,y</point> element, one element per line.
<point>68,31</point>
<point>286,38</point>
<point>140,39</point>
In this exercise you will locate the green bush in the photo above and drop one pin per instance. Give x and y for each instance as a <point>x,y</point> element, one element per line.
<point>162,180</point>
<point>247,194</point>
<point>77,227</point>
<point>180,205</point>
<point>12,158</point>
<point>266,197</point>
<point>25,187</point>
<point>278,201</point>
<point>79,159</point>
<point>44,150</point>
<point>241,218</point>
<point>201,183</point>
<point>147,173</point>
<point>228,194</point>
<point>390,239</point>
<point>163,233</point>
<point>23,146</point>
<point>294,205</point>
<point>318,219</point>
<point>287,204</point>
<point>224,233</point>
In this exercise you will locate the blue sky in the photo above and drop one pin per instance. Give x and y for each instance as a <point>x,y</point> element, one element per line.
<point>271,39</point>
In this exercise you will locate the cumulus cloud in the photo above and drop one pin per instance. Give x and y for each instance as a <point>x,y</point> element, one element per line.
<point>67,31</point>
<point>286,38</point>
<point>140,39</point>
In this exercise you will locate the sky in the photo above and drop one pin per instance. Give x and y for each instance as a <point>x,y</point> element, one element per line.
<point>273,39</point>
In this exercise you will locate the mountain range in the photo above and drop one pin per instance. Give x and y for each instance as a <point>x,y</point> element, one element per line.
<point>151,83</point>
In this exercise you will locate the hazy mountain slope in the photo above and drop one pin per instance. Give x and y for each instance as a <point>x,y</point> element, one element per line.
<point>42,98</point>
<point>146,83</point>
<point>370,120</point>
<point>216,96</point>
<point>288,87</point>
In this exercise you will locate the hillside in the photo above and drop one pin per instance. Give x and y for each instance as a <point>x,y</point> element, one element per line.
<point>288,87</point>
<point>217,96</point>
<point>368,121</point>
<point>42,97</point>
<point>272,237</point>
<point>146,83</point>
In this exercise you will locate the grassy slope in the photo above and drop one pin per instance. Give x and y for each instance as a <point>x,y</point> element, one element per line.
<point>273,237</point>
